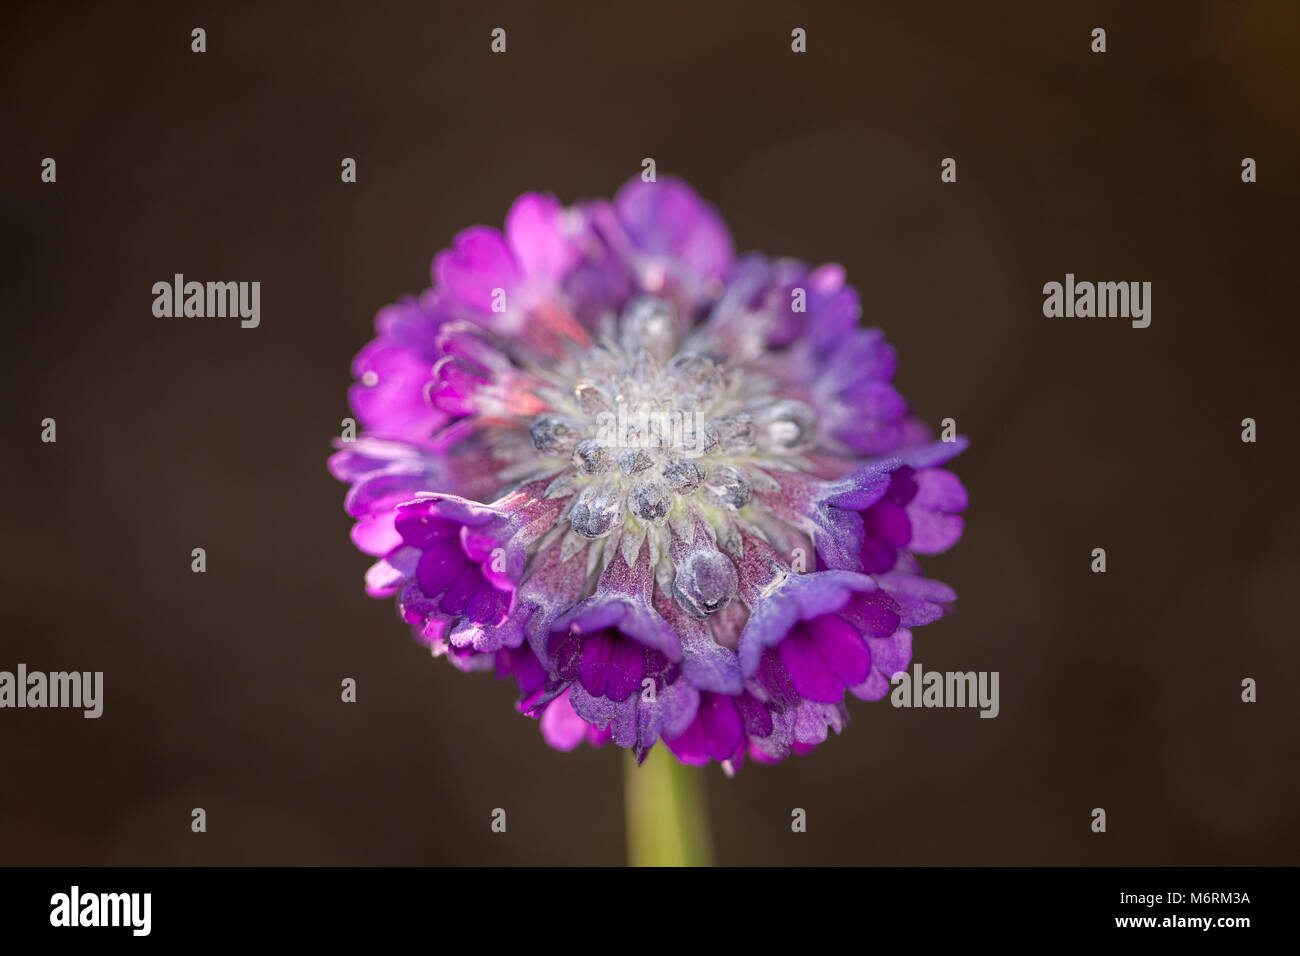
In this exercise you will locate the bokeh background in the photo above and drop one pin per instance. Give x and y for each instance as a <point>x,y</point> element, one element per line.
<point>1119,690</point>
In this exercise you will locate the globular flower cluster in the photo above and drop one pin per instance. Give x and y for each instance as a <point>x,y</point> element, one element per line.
<point>671,492</point>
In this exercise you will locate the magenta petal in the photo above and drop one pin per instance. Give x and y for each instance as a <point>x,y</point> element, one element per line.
<point>383,490</point>
<point>376,534</point>
<point>420,528</point>
<point>535,228</point>
<point>478,262</point>
<point>562,728</point>
<point>391,572</point>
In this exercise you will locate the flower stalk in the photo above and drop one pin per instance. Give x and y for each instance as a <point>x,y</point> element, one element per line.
<point>667,824</point>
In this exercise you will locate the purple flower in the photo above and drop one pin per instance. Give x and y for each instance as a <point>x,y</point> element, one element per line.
<point>671,493</point>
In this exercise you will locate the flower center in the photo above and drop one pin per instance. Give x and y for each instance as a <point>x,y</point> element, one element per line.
<point>649,429</point>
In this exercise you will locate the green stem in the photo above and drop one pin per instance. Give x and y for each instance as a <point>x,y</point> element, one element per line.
<point>666,821</point>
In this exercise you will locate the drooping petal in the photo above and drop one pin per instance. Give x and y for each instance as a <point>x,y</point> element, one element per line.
<point>716,733</point>
<point>799,597</point>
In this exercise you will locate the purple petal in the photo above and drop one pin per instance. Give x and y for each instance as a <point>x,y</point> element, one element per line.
<point>799,597</point>
<point>889,656</point>
<point>716,732</point>
<point>824,656</point>
<point>668,220</point>
<point>934,512</point>
<point>612,666</point>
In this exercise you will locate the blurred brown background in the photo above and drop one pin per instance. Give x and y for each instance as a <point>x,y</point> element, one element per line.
<point>222,690</point>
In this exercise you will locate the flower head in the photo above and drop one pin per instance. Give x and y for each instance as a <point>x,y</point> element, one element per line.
<point>672,493</point>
